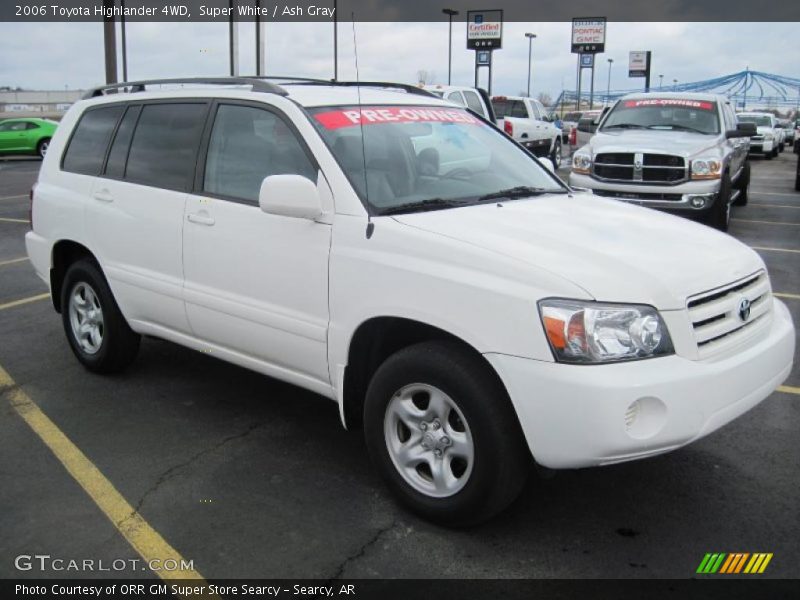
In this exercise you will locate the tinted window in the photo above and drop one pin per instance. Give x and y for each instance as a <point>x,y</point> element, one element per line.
<point>89,142</point>
<point>455,97</point>
<point>474,102</point>
<point>164,145</point>
<point>248,144</point>
<point>31,126</point>
<point>115,167</point>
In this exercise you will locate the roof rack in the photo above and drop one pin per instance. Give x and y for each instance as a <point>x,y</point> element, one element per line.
<point>408,88</point>
<point>257,85</point>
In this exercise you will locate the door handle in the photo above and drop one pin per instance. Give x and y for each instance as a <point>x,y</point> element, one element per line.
<point>103,196</point>
<point>200,219</point>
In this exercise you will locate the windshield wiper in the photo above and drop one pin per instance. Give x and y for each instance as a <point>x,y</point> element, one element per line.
<point>520,191</point>
<point>681,127</point>
<point>624,126</point>
<point>421,205</point>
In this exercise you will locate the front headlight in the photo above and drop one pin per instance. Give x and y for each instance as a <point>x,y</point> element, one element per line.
<point>589,332</point>
<point>706,168</point>
<point>581,163</point>
<point>769,136</point>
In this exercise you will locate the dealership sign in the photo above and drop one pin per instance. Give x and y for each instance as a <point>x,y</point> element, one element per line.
<point>589,35</point>
<point>484,29</point>
<point>637,64</point>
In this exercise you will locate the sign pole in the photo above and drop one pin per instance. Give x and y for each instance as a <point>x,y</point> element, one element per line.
<point>578,85</point>
<point>591,90</point>
<point>110,43</point>
<point>647,74</point>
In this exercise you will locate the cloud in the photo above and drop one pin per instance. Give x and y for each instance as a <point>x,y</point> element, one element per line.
<point>52,55</point>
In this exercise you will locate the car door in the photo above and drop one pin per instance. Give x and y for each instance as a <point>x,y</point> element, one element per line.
<point>738,146</point>
<point>256,283</point>
<point>473,101</point>
<point>12,136</point>
<point>135,213</point>
<point>31,137</point>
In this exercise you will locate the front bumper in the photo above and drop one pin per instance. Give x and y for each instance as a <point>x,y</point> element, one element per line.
<point>681,196</point>
<point>762,146</point>
<point>537,147</point>
<point>575,416</point>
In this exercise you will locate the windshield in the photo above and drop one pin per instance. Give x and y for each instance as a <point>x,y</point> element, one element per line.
<point>423,158</point>
<point>572,116</point>
<point>759,120</point>
<point>664,113</point>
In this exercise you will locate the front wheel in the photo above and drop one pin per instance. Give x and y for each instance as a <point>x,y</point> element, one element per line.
<point>442,431</point>
<point>769,155</point>
<point>97,332</point>
<point>555,155</point>
<point>781,147</point>
<point>719,217</point>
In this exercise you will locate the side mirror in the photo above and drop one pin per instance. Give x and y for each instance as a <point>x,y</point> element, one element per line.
<point>290,196</point>
<point>747,129</point>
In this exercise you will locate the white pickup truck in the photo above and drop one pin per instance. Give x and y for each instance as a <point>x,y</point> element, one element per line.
<point>525,120</point>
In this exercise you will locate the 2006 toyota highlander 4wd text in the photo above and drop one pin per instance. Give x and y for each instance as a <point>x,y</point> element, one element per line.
<point>409,261</point>
<point>672,151</point>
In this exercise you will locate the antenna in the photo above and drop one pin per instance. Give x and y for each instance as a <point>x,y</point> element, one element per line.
<point>370,224</point>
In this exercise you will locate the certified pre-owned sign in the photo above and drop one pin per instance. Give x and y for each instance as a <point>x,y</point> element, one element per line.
<point>589,35</point>
<point>484,29</point>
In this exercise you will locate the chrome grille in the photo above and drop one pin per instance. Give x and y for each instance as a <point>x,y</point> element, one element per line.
<point>640,167</point>
<point>715,314</point>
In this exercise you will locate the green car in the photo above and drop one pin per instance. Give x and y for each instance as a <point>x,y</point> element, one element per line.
<point>26,136</point>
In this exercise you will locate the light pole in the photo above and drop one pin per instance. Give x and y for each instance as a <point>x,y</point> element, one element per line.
<point>530,37</point>
<point>660,82</point>
<point>608,89</point>
<point>450,14</point>
<point>674,85</point>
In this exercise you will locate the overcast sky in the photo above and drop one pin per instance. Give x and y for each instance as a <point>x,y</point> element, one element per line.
<point>55,55</point>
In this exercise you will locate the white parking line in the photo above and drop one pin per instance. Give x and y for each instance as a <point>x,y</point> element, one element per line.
<point>784,295</point>
<point>764,248</point>
<point>772,205</point>
<point>761,193</point>
<point>14,197</point>
<point>13,261</point>
<point>7,220</point>
<point>766,222</point>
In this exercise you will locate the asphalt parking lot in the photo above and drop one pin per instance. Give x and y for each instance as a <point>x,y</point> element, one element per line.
<point>249,477</point>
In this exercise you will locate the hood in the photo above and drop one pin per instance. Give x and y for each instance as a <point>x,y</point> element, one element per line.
<point>762,129</point>
<point>679,143</point>
<point>617,252</point>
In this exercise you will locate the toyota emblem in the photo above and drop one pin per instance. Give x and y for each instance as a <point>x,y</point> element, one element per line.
<point>744,309</point>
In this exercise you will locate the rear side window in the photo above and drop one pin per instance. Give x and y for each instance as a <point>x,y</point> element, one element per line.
<point>164,145</point>
<point>31,126</point>
<point>89,142</point>
<point>474,102</point>
<point>248,144</point>
<point>115,167</point>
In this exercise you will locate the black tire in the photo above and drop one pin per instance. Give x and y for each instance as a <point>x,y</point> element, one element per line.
<point>743,185</point>
<point>797,176</point>
<point>501,459</point>
<point>769,155</point>
<point>797,146</point>
<point>775,152</point>
<point>719,216</point>
<point>781,147</point>
<point>119,343</point>
<point>555,155</point>
<point>42,146</point>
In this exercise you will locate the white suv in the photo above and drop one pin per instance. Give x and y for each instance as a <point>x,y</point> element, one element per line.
<point>409,261</point>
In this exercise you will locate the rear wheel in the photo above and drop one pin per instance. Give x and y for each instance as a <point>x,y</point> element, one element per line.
<point>555,155</point>
<point>797,176</point>
<point>719,217</point>
<point>444,435</point>
<point>781,147</point>
<point>743,185</point>
<point>97,332</point>
<point>42,147</point>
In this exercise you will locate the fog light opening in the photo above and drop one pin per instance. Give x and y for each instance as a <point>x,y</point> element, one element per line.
<point>645,417</point>
<point>697,201</point>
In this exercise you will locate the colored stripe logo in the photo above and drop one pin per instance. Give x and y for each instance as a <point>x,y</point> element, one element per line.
<point>734,563</point>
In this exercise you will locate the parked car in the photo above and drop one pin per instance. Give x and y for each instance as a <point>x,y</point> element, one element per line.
<point>768,135</point>
<point>26,136</point>
<point>788,130</point>
<point>797,136</point>
<point>569,122</point>
<point>672,151</point>
<point>411,263</point>
<point>797,175</point>
<point>526,121</point>
<point>475,99</point>
<point>586,128</point>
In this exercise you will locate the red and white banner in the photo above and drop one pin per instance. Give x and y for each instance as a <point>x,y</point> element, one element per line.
<point>376,115</point>
<point>669,102</point>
